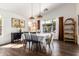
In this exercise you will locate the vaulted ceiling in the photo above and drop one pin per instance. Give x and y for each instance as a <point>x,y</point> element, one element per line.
<point>24,9</point>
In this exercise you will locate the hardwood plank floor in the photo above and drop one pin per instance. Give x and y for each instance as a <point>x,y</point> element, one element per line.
<point>60,49</point>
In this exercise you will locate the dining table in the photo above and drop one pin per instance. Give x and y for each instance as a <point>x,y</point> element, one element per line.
<point>43,37</point>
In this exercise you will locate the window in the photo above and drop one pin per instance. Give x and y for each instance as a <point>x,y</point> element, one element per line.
<point>54,24</point>
<point>49,25</point>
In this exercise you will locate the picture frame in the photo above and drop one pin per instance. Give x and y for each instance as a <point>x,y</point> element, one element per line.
<point>17,23</point>
<point>22,23</point>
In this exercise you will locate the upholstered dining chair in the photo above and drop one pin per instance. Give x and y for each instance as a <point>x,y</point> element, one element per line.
<point>35,42</point>
<point>23,40</point>
<point>49,42</point>
<point>27,40</point>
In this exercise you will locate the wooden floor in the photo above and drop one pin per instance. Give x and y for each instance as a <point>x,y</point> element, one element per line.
<point>60,49</point>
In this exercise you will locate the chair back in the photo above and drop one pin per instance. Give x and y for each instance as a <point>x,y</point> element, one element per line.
<point>49,39</point>
<point>34,37</point>
<point>27,36</point>
<point>32,32</point>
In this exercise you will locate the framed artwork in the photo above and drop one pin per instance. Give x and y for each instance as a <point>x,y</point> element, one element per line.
<point>17,23</point>
<point>22,24</point>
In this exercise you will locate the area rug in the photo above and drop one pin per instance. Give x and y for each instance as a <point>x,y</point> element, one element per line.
<point>12,46</point>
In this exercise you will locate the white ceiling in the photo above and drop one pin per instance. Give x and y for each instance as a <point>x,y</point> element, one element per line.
<point>24,9</point>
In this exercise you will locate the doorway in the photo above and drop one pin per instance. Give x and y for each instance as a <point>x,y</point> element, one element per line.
<point>61,28</point>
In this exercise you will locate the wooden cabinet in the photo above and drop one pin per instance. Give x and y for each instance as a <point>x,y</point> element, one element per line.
<point>70,30</point>
<point>15,37</point>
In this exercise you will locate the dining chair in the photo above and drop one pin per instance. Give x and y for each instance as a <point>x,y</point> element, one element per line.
<point>36,44</point>
<point>27,40</point>
<point>49,42</point>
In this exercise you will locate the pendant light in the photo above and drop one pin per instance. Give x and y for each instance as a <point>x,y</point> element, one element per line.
<point>45,12</point>
<point>31,12</point>
<point>46,9</point>
<point>39,16</point>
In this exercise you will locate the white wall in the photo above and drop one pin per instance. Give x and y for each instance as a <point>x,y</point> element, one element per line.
<point>6,27</point>
<point>66,10</point>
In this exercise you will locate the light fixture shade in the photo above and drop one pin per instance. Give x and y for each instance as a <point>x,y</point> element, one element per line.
<point>46,9</point>
<point>39,16</point>
<point>31,17</point>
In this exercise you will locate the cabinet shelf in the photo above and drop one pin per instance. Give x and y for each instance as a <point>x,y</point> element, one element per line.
<point>70,24</point>
<point>69,34</point>
<point>70,40</point>
<point>70,31</point>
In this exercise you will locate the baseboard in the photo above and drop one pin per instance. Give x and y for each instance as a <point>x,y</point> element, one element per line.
<point>55,39</point>
<point>5,44</point>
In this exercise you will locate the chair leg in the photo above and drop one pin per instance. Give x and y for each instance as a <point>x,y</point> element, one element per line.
<point>40,46</point>
<point>37,47</point>
<point>32,46</point>
<point>49,45</point>
<point>29,45</point>
<point>52,45</point>
<point>24,44</point>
